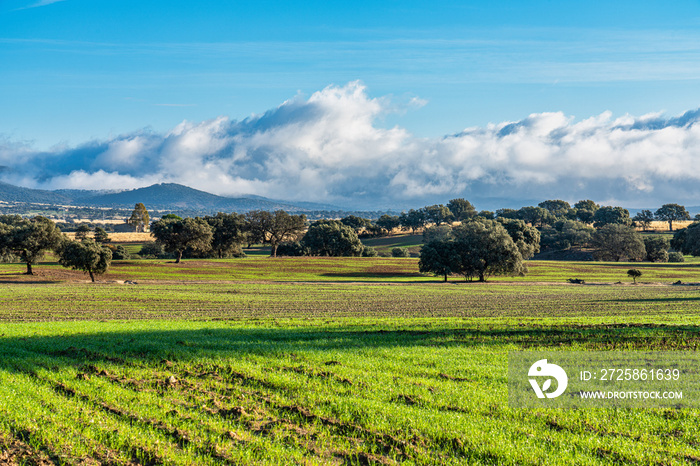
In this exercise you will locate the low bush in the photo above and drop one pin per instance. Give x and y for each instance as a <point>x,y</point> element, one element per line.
<point>676,257</point>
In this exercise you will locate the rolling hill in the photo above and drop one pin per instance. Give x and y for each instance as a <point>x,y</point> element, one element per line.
<point>164,196</point>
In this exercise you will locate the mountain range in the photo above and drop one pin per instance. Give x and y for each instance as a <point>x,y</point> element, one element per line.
<point>178,198</point>
<point>164,196</point>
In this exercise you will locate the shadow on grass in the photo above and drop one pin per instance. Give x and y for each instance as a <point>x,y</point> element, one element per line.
<point>385,275</point>
<point>154,346</point>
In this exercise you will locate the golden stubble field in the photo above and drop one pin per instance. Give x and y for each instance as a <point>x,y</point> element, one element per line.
<point>123,237</point>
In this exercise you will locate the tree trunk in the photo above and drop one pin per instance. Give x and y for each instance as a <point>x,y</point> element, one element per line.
<point>481,277</point>
<point>92,276</point>
<point>273,253</point>
<point>179,256</point>
<point>29,269</point>
<point>670,225</point>
<point>445,278</point>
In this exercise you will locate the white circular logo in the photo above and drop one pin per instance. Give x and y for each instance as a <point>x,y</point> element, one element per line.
<point>542,368</point>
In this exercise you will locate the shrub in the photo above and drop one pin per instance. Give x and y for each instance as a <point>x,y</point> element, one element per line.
<point>151,249</point>
<point>118,252</point>
<point>399,252</point>
<point>676,257</point>
<point>291,249</point>
<point>369,251</point>
<point>657,248</point>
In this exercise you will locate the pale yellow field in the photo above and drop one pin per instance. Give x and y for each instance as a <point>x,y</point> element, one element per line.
<point>663,226</point>
<point>124,237</point>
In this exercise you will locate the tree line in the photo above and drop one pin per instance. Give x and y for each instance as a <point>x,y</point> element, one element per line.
<point>480,245</point>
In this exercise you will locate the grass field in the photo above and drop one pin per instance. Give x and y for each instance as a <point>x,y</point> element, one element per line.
<point>385,244</point>
<point>325,361</point>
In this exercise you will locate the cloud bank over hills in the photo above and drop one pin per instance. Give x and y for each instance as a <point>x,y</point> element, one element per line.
<point>331,147</point>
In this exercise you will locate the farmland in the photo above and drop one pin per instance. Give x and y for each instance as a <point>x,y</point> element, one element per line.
<point>325,361</point>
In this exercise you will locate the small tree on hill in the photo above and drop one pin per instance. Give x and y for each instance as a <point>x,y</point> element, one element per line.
<point>437,214</point>
<point>356,223</point>
<point>177,235</point>
<point>556,207</point>
<point>535,216</point>
<point>585,210</point>
<point>85,255</point>
<point>413,219</point>
<point>388,223</point>
<point>461,209</point>
<point>139,218</point>
<point>609,215</point>
<point>634,273</point>
<point>671,213</point>
<point>643,219</point>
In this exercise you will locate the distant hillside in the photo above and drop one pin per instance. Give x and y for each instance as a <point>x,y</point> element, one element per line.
<point>11,193</point>
<point>165,196</point>
<point>171,196</point>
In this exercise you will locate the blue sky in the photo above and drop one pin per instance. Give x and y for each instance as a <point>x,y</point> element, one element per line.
<point>78,73</point>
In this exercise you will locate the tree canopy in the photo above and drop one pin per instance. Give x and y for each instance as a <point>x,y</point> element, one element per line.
<point>228,233</point>
<point>486,249</point>
<point>437,214</point>
<point>525,237</point>
<point>608,215</point>
<point>28,239</point>
<point>556,207</point>
<point>274,227</point>
<point>672,212</point>
<point>461,209</point>
<point>687,240</point>
<point>643,219</point>
<point>177,235</point>
<point>479,248</point>
<point>388,222</point>
<point>85,255</point>
<point>139,218</point>
<point>585,210</point>
<point>439,257</point>
<point>413,219</point>
<point>331,238</point>
<point>615,242</point>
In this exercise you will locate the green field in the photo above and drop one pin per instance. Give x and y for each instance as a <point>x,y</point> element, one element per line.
<point>325,361</point>
<point>385,244</point>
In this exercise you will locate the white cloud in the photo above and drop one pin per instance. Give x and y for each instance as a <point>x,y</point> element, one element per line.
<point>331,148</point>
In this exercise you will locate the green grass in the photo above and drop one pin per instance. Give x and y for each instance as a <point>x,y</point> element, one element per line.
<point>364,269</point>
<point>418,391</point>
<point>326,361</point>
<point>385,244</point>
